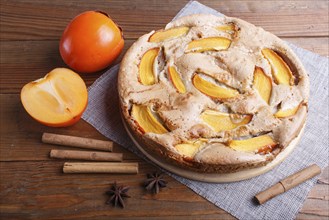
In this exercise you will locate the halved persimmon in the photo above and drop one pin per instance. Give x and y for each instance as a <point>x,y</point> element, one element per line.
<point>56,100</point>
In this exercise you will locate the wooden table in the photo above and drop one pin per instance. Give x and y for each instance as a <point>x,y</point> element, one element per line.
<point>33,186</point>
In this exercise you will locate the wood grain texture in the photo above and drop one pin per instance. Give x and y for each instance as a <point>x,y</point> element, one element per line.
<point>38,189</point>
<point>39,20</point>
<point>49,194</point>
<point>32,185</point>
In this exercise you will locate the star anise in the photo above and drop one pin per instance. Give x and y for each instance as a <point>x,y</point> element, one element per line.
<point>154,182</point>
<point>117,194</point>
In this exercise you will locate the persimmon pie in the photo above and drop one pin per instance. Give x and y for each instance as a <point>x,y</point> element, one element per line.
<point>211,94</point>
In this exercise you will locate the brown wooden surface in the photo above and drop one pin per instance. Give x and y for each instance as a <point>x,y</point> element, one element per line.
<point>33,186</point>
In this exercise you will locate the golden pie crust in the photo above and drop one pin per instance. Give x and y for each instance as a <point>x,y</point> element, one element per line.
<point>183,113</point>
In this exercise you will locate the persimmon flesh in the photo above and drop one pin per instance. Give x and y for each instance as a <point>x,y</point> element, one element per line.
<point>56,100</point>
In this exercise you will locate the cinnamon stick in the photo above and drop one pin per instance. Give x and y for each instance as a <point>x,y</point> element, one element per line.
<point>100,167</point>
<point>288,183</point>
<point>73,141</point>
<point>85,155</point>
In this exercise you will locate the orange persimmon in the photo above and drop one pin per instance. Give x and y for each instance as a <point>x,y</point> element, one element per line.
<point>91,42</point>
<point>56,100</point>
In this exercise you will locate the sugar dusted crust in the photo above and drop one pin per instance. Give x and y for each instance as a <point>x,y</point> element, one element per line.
<point>180,112</point>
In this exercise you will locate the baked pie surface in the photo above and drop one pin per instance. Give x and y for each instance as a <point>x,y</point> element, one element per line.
<point>213,94</point>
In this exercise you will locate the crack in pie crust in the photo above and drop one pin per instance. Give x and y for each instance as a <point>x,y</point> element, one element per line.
<point>213,94</point>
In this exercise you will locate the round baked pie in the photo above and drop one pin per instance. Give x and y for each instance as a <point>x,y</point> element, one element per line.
<point>213,94</point>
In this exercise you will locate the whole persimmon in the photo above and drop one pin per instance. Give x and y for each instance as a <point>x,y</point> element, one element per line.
<point>91,42</point>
